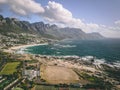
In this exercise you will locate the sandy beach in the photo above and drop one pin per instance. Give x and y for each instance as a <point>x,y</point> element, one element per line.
<point>13,49</point>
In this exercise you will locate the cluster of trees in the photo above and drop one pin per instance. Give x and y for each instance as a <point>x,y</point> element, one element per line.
<point>96,83</point>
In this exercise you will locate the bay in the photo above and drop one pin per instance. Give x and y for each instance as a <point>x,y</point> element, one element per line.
<point>108,49</point>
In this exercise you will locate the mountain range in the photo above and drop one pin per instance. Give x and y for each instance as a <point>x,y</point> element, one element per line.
<point>14,25</point>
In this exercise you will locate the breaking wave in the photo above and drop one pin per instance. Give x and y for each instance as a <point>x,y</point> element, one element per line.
<point>64,46</point>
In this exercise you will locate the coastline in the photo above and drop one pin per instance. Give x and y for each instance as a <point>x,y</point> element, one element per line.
<point>68,66</point>
<point>97,62</point>
<point>14,48</point>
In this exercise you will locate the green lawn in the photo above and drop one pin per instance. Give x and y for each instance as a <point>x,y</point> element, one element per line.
<point>9,68</point>
<point>41,87</point>
<point>17,89</point>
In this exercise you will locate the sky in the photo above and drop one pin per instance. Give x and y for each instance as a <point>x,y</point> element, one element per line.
<point>101,16</point>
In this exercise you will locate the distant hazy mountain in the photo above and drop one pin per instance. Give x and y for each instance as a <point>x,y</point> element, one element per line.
<point>44,30</point>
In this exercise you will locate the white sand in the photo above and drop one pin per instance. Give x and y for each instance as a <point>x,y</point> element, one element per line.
<point>12,49</point>
<point>25,46</point>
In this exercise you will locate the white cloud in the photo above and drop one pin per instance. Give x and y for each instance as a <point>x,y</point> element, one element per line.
<point>117,22</point>
<point>23,7</point>
<point>2,1</point>
<point>91,27</point>
<point>57,14</point>
<point>111,31</point>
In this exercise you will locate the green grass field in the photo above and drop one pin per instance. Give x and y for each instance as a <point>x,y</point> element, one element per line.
<point>9,68</point>
<point>41,87</point>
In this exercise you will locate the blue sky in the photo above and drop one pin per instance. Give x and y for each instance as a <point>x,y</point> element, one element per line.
<point>96,11</point>
<point>101,16</point>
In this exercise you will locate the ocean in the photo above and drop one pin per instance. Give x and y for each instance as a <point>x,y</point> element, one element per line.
<point>108,49</point>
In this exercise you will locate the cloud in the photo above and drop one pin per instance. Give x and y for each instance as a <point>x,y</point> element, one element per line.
<point>2,1</point>
<point>117,23</point>
<point>23,7</point>
<point>55,13</point>
<point>111,31</point>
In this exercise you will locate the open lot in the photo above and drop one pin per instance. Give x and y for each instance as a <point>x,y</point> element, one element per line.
<point>9,68</point>
<point>57,75</point>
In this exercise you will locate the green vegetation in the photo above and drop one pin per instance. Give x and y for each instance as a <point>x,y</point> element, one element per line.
<point>10,68</point>
<point>45,87</point>
<point>7,81</point>
<point>17,89</point>
<point>112,72</point>
<point>94,82</point>
<point>41,87</point>
<point>92,79</point>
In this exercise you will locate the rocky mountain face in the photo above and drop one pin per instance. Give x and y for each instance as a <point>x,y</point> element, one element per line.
<point>44,30</point>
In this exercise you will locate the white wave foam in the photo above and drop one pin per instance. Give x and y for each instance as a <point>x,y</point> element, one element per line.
<point>58,52</point>
<point>70,56</point>
<point>52,48</point>
<point>116,64</point>
<point>98,62</point>
<point>64,46</point>
<point>21,51</point>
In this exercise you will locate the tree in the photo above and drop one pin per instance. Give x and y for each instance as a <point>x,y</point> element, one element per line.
<point>1,17</point>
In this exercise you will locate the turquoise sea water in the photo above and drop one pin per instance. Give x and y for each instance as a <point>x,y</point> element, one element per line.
<point>108,49</point>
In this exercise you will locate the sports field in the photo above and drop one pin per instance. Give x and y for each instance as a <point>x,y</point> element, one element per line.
<point>9,68</point>
<point>57,75</point>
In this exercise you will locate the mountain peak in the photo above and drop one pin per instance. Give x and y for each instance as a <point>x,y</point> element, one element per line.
<point>45,30</point>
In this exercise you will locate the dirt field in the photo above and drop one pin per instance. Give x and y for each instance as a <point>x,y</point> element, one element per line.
<point>57,75</point>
